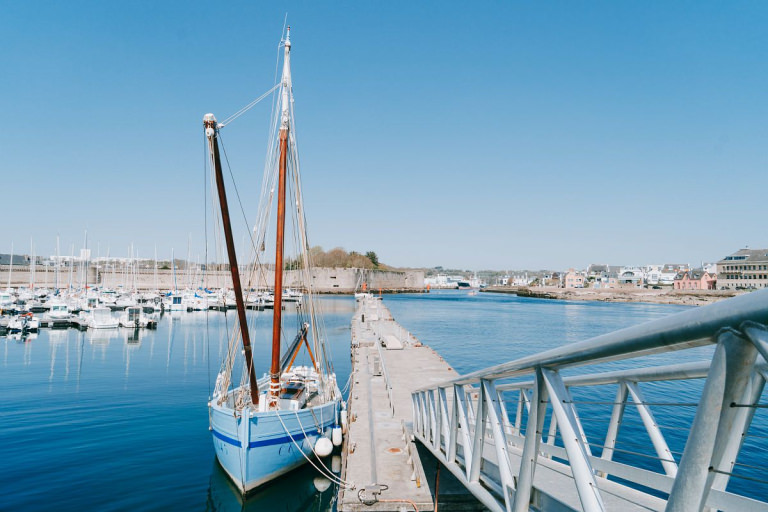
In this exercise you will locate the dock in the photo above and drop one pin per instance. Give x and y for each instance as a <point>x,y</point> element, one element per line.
<point>384,469</point>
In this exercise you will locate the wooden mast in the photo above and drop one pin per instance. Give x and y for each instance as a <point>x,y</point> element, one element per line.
<point>274,371</point>
<point>211,132</point>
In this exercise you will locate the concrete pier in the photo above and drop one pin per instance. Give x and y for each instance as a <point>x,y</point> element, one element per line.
<point>385,470</point>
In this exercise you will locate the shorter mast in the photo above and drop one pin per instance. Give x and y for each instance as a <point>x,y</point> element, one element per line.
<point>211,132</point>
<point>274,371</point>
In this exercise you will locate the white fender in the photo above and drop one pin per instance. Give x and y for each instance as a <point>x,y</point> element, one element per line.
<point>323,447</point>
<point>336,436</point>
<point>344,421</point>
<point>321,483</point>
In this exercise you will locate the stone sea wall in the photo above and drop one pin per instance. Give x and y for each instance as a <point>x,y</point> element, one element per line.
<point>325,280</point>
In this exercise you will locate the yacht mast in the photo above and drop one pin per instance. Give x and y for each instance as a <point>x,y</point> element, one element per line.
<point>58,263</point>
<point>209,121</point>
<point>274,372</point>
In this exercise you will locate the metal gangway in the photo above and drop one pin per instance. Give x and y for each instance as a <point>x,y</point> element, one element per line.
<point>610,424</point>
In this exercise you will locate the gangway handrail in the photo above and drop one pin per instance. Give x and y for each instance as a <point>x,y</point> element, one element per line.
<point>465,424</point>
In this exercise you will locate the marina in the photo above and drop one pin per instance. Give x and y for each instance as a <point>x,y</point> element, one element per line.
<point>75,365</point>
<point>410,257</point>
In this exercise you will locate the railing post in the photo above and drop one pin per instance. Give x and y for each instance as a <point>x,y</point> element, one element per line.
<point>442,404</point>
<point>582,435</point>
<point>731,367</point>
<point>519,415</point>
<point>533,430</point>
<point>654,432</point>
<point>453,433</point>
<point>589,494</point>
<point>460,403</point>
<point>499,439</point>
<point>741,425</point>
<point>433,418</point>
<point>415,413</point>
<point>613,427</point>
<point>425,426</point>
<point>436,417</point>
<point>526,400</point>
<point>739,391</point>
<point>479,437</point>
<point>504,416</point>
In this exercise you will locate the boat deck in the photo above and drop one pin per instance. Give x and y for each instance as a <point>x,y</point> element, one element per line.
<point>387,469</point>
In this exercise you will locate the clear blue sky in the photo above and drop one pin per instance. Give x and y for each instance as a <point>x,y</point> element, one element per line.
<point>474,135</point>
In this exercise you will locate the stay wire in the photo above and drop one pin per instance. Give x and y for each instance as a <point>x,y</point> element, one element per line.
<point>237,192</point>
<point>205,230</point>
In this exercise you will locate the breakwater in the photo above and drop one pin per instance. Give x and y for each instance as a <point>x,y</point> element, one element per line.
<point>648,295</point>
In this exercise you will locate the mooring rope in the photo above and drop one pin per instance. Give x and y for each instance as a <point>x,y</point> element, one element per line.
<point>328,473</point>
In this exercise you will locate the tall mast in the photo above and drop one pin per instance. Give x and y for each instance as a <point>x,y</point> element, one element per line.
<point>58,263</point>
<point>274,371</point>
<point>209,121</point>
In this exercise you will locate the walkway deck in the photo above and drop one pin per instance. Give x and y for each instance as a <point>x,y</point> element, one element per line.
<point>388,364</point>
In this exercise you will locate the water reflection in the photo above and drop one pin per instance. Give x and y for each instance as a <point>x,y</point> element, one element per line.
<point>298,491</point>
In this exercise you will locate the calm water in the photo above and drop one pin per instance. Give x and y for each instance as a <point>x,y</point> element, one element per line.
<point>118,420</point>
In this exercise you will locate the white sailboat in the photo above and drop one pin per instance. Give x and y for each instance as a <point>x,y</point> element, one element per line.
<point>264,429</point>
<point>101,318</point>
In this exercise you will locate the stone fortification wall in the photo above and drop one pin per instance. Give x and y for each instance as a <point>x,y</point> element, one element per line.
<point>45,276</point>
<point>325,280</point>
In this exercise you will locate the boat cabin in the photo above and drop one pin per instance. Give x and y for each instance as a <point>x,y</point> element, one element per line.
<point>59,310</point>
<point>293,396</point>
<point>133,313</point>
<point>102,316</point>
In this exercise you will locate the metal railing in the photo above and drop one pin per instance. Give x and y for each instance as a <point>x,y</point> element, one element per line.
<point>465,424</point>
<point>387,385</point>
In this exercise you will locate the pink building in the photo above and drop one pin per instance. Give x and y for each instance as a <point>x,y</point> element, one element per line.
<point>695,280</point>
<point>574,279</point>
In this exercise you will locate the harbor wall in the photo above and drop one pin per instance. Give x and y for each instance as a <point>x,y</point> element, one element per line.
<point>325,280</point>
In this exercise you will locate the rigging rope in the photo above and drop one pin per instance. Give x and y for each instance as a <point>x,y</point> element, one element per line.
<point>247,107</point>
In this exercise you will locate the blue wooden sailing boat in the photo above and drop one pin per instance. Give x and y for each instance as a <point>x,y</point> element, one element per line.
<point>264,428</point>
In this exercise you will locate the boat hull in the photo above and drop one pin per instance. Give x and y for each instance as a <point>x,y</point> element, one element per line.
<point>273,447</point>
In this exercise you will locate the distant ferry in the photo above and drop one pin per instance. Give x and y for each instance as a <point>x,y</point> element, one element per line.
<point>465,284</point>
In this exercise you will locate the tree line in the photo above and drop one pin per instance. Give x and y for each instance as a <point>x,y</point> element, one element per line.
<point>338,258</point>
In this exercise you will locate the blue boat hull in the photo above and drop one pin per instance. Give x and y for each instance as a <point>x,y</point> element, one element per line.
<point>256,447</point>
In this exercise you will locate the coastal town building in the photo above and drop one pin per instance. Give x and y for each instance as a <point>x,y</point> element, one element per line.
<point>695,280</point>
<point>521,280</point>
<point>574,279</point>
<point>652,274</point>
<point>18,259</point>
<point>631,276</point>
<point>746,268</point>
